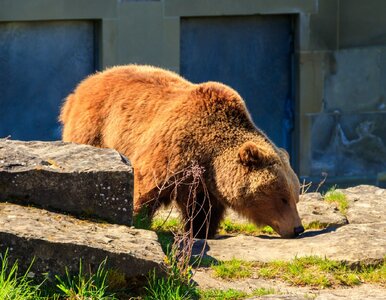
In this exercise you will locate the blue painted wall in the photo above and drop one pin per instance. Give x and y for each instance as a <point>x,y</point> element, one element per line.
<point>252,54</point>
<point>40,63</point>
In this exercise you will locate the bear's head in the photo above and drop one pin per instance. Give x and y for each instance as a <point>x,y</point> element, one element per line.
<point>256,179</point>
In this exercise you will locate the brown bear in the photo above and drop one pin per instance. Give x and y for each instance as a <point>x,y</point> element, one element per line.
<point>165,124</point>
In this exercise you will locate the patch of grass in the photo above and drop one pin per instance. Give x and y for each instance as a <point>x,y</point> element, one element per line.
<point>15,286</point>
<point>376,275</point>
<point>263,292</point>
<point>315,225</point>
<point>233,269</point>
<point>217,294</point>
<point>338,197</point>
<point>165,229</point>
<point>168,288</point>
<point>268,230</point>
<point>169,224</point>
<point>203,261</point>
<point>229,227</point>
<point>305,271</point>
<point>177,285</point>
<point>81,286</point>
<point>231,294</point>
<point>318,272</point>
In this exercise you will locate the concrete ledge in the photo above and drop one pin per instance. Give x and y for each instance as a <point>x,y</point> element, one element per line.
<point>57,241</point>
<point>189,8</point>
<point>66,177</point>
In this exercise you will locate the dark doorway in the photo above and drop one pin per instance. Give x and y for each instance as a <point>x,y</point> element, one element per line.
<point>253,55</point>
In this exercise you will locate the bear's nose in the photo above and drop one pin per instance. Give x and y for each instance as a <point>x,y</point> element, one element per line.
<point>298,230</point>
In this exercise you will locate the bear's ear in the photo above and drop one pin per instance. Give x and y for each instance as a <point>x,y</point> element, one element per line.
<point>284,152</point>
<point>250,154</point>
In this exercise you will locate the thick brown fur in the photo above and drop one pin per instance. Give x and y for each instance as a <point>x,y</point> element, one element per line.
<point>163,123</point>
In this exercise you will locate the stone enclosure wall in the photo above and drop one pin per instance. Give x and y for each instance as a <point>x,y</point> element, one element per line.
<point>334,108</point>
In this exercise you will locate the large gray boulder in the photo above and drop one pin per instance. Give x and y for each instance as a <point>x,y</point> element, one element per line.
<point>66,177</point>
<point>358,238</point>
<point>353,244</point>
<point>367,204</point>
<point>313,209</point>
<point>57,241</point>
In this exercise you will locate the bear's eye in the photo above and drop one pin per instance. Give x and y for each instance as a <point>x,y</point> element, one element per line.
<point>285,201</point>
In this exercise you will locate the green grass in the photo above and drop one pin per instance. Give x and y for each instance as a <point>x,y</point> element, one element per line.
<point>233,269</point>
<point>305,271</point>
<point>15,286</point>
<point>170,224</point>
<point>337,197</point>
<point>85,286</point>
<point>232,294</point>
<point>216,294</point>
<point>229,227</point>
<point>165,230</point>
<point>177,285</point>
<point>315,225</point>
<point>263,292</point>
<point>321,273</point>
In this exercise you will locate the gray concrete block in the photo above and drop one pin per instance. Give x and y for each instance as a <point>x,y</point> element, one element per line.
<point>77,179</point>
<point>57,241</point>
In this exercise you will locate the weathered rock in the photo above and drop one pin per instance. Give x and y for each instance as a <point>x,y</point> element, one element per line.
<point>367,204</point>
<point>354,243</point>
<point>205,279</point>
<point>57,241</point>
<point>77,179</point>
<point>313,209</point>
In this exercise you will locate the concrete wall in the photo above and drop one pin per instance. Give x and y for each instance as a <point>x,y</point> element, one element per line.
<point>339,69</point>
<point>341,93</point>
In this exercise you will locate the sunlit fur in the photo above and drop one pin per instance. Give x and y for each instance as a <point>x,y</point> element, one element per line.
<point>163,123</point>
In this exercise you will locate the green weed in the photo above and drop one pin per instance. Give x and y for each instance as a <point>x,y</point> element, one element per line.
<point>216,294</point>
<point>232,294</point>
<point>81,286</point>
<point>318,272</point>
<point>229,227</point>
<point>168,224</point>
<point>315,225</point>
<point>177,285</point>
<point>232,269</point>
<point>338,197</point>
<point>259,292</point>
<point>14,286</point>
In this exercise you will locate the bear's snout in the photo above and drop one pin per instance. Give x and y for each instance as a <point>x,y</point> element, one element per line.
<point>298,230</point>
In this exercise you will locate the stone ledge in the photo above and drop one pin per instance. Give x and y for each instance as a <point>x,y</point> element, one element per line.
<point>66,177</point>
<point>58,241</point>
<point>353,244</point>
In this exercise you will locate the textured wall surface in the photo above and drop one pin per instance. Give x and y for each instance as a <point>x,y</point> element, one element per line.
<point>348,135</point>
<point>40,63</point>
<point>252,54</point>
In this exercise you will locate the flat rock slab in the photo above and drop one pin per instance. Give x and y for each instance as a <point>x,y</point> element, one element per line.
<point>205,279</point>
<point>313,208</point>
<point>352,243</point>
<point>57,241</point>
<point>66,177</point>
<point>367,204</point>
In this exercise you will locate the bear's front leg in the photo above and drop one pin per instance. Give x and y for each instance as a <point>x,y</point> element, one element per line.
<point>203,216</point>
